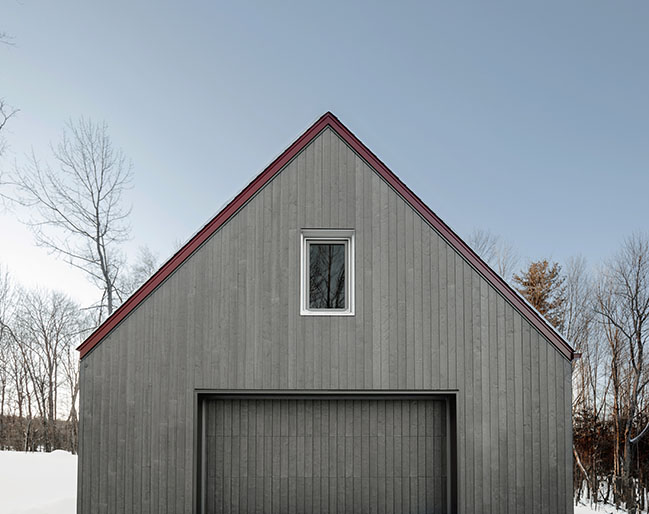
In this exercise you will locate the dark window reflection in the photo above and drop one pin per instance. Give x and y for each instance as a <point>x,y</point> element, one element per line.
<point>326,276</point>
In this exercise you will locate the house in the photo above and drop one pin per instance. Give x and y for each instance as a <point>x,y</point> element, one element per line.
<point>325,344</point>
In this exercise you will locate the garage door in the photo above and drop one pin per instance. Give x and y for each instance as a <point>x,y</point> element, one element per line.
<point>298,456</point>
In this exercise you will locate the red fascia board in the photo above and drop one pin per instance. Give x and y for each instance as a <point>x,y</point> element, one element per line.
<point>330,120</point>
<point>183,254</point>
<point>455,241</point>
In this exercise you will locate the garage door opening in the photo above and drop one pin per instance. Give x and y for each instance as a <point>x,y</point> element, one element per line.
<point>324,454</point>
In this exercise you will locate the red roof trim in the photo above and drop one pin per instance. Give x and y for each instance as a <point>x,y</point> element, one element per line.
<point>454,240</point>
<point>330,120</point>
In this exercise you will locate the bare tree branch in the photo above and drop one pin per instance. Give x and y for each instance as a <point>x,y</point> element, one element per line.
<point>497,253</point>
<point>6,39</point>
<point>138,273</point>
<point>78,209</point>
<point>6,113</point>
<point>622,306</point>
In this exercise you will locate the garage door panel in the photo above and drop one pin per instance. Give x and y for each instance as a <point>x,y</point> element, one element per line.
<point>325,456</point>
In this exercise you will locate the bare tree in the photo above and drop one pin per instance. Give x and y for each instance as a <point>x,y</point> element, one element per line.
<point>45,328</point>
<point>623,307</point>
<point>5,360</point>
<point>577,317</point>
<point>499,254</point>
<point>23,392</point>
<point>145,265</point>
<point>589,377</point>
<point>580,328</point>
<point>70,365</point>
<point>78,207</point>
<point>484,243</point>
<point>6,113</point>
<point>39,367</point>
<point>19,393</point>
<point>577,309</point>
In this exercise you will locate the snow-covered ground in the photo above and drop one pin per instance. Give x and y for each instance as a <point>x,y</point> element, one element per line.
<point>599,509</point>
<point>585,509</point>
<point>38,483</point>
<point>46,483</point>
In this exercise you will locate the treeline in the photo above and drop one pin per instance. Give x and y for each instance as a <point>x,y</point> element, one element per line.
<point>39,369</point>
<point>39,365</point>
<point>610,381</point>
<point>605,315</point>
<point>595,474</point>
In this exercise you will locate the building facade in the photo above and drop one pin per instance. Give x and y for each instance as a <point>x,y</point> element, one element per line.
<point>325,344</point>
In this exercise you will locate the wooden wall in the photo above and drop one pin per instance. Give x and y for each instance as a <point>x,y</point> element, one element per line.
<point>229,319</point>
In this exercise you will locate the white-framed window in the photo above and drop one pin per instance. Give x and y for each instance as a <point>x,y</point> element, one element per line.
<point>327,273</point>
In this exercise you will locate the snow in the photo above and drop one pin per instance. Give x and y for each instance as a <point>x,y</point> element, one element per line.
<point>38,483</point>
<point>586,509</point>
<point>600,508</point>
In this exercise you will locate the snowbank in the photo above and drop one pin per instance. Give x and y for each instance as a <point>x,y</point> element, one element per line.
<point>38,483</point>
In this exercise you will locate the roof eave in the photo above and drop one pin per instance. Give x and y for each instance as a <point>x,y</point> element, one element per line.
<point>327,120</point>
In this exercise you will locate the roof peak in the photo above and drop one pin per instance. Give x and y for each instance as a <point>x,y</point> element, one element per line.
<point>328,119</point>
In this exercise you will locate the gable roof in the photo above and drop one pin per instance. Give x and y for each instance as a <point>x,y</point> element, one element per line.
<point>328,120</point>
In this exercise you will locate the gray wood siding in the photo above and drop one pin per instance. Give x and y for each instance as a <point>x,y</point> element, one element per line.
<point>292,456</point>
<point>228,318</point>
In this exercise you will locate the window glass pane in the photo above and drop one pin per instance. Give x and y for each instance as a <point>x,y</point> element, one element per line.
<point>326,276</point>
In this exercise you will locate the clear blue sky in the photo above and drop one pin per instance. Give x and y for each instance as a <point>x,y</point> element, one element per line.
<point>530,119</point>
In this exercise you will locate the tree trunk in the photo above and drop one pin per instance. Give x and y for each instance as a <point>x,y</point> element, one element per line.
<point>627,480</point>
<point>581,468</point>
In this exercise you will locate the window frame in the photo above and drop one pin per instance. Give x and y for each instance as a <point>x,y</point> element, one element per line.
<point>327,236</point>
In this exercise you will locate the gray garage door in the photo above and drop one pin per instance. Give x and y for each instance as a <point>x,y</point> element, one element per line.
<point>299,456</point>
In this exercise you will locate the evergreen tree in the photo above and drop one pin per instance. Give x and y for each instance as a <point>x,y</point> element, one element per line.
<point>542,285</point>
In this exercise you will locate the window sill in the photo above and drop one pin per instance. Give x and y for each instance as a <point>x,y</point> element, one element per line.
<point>325,312</point>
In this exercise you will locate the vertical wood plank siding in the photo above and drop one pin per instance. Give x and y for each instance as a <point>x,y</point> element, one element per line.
<point>228,318</point>
<point>305,453</point>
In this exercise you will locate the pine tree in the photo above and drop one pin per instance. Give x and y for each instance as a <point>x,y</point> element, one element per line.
<point>542,285</point>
